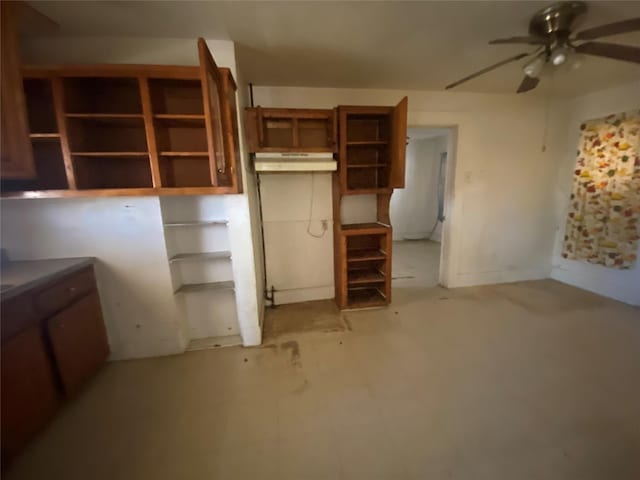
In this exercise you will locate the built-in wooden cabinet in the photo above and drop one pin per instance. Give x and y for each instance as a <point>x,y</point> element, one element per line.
<point>53,341</point>
<point>131,130</point>
<point>299,130</point>
<point>372,145</point>
<point>372,148</point>
<point>16,159</point>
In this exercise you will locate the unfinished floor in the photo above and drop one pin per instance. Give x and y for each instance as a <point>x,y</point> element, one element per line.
<point>535,380</point>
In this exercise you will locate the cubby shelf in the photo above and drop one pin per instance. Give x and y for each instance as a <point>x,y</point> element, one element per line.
<point>106,116</point>
<point>363,297</point>
<point>183,154</point>
<point>365,277</point>
<point>110,154</point>
<point>200,223</point>
<point>225,254</point>
<point>44,136</point>
<point>198,287</point>
<point>368,165</point>
<point>365,255</point>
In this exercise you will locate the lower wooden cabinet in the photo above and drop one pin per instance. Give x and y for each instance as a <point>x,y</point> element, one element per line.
<point>53,341</point>
<point>77,361</point>
<point>30,395</point>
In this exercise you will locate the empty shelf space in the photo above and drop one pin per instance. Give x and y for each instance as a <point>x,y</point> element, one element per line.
<point>371,143</point>
<point>369,165</point>
<point>199,223</point>
<point>198,287</point>
<point>225,254</point>
<point>365,276</point>
<point>365,297</point>
<point>102,94</point>
<point>365,255</point>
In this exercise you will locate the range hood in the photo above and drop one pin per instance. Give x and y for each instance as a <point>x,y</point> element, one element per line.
<point>295,162</point>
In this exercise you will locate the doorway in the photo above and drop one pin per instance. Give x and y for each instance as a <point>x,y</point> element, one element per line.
<point>418,211</point>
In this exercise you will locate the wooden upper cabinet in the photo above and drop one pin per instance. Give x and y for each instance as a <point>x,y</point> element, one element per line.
<point>398,144</point>
<point>291,130</point>
<point>372,148</point>
<point>131,130</point>
<point>16,157</point>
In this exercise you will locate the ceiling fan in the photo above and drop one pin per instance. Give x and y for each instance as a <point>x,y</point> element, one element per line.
<point>550,30</point>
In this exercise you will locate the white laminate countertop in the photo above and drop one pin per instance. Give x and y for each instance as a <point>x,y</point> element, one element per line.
<point>21,275</point>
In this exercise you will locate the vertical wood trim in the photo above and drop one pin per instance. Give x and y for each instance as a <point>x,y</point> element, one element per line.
<point>337,235</point>
<point>57,90</point>
<point>333,139</point>
<point>382,208</point>
<point>343,270</point>
<point>342,155</point>
<point>260,127</point>
<point>150,131</point>
<point>389,273</point>
<point>295,134</point>
<point>231,132</point>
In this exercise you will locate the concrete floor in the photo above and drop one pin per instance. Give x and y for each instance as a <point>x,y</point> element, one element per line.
<point>416,263</point>
<point>534,380</point>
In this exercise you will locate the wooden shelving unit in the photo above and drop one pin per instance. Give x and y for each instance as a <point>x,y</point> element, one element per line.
<point>371,161</point>
<point>131,130</point>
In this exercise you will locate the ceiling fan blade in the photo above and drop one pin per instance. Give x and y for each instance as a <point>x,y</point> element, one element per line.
<point>487,69</point>
<point>528,83</point>
<point>631,25</point>
<point>625,53</point>
<point>525,40</point>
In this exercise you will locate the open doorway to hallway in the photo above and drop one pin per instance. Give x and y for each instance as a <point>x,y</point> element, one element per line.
<point>417,211</point>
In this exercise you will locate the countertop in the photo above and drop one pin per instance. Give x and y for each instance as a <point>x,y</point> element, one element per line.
<point>19,276</point>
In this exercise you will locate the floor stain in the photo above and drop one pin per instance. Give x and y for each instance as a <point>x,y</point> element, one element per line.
<point>303,386</point>
<point>295,352</point>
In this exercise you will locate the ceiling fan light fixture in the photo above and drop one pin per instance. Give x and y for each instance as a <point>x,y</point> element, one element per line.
<point>560,55</point>
<point>534,67</point>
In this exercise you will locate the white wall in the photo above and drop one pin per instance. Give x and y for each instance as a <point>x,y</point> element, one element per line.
<point>623,285</point>
<point>135,280</point>
<point>500,219</point>
<point>414,209</point>
<point>295,207</point>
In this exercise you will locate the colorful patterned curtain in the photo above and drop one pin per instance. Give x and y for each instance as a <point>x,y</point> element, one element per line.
<point>603,225</point>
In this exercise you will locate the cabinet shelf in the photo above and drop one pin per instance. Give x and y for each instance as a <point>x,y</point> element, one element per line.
<point>203,223</point>
<point>184,154</point>
<point>110,154</point>
<point>364,297</point>
<point>199,287</point>
<point>369,165</point>
<point>180,120</point>
<point>365,255</point>
<point>368,143</point>
<point>225,254</point>
<point>44,136</point>
<point>363,226</point>
<point>365,277</point>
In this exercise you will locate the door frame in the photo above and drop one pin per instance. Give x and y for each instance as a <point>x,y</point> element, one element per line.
<point>444,274</point>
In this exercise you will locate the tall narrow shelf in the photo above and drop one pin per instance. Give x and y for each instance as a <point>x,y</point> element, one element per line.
<point>371,158</point>
<point>199,287</point>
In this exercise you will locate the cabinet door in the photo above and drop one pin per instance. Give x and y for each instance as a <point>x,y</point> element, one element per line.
<point>233,168</point>
<point>16,156</point>
<point>212,90</point>
<point>398,144</point>
<point>79,341</point>
<point>29,394</point>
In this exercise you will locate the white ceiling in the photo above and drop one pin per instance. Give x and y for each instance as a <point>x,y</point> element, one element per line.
<point>404,45</point>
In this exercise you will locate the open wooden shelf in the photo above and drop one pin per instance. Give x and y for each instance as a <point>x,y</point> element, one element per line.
<point>365,276</point>
<point>199,287</point>
<point>365,297</point>
<point>368,143</point>
<point>363,226</point>
<point>184,154</point>
<point>201,223</point>
<point>105,116</point>
<point>180,120</point>
<point>110,154</point>
<point>369,165</point>
<point>224,254</point>
<point>365,255</point>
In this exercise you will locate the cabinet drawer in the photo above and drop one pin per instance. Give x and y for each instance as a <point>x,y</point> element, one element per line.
<point>65,291</point>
